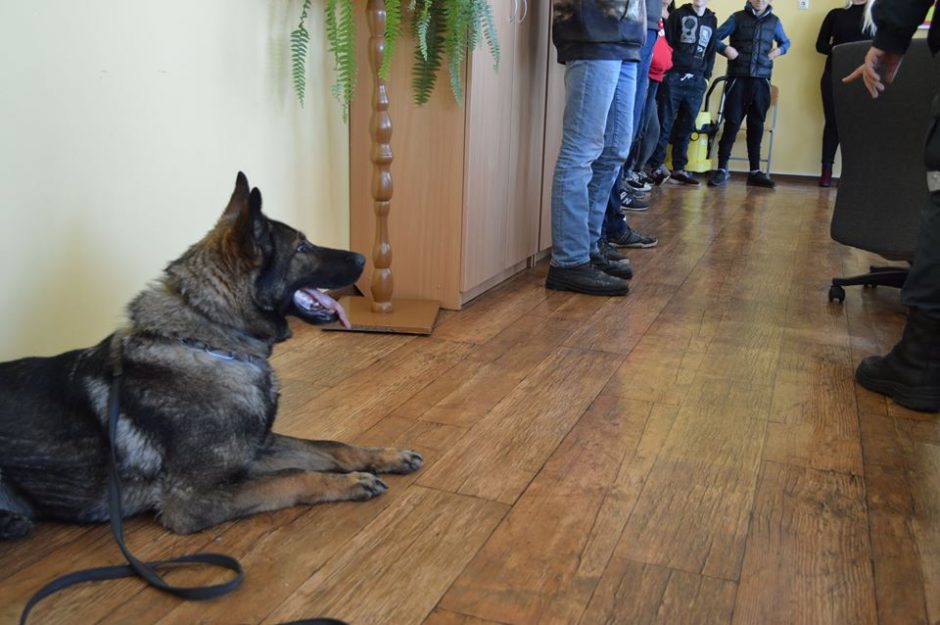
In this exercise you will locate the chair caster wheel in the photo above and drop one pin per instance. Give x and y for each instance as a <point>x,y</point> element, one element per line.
<point>836,293</point>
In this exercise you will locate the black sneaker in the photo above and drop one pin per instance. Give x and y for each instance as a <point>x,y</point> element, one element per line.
<point>585,278</point>
<point>633,180</point>
<point>683,177</point>
<point>610,251</point>
<point>760,179</point>
<point>613,264</point>
<point>630,202</point>
<point>632,238</point>
<point>659,175</point>
<point>719,178</point>
<point>616,268</point>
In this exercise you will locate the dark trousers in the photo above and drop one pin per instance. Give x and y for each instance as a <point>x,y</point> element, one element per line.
<point>744,97</point>
<point>648,138</point>
<point>681,98</point>
<point>922,289</point>
<point>615,224</point>
<point>830,130</point>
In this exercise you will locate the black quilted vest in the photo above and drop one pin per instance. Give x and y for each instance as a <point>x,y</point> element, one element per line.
<point>753,38</point>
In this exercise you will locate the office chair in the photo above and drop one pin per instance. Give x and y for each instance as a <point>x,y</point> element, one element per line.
<point>883,186</point>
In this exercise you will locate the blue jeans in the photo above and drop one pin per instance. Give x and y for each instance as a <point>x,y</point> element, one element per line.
<point>596,134</point>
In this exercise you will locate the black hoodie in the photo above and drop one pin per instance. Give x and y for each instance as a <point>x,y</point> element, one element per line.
<point>599,29</point>
<point>693,41</point>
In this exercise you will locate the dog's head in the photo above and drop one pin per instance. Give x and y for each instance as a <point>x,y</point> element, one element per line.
<point>285,268</point>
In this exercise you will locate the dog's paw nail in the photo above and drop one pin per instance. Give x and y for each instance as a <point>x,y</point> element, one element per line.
<point>376,487</point>
<point>369,485</point>
<point>413,460</point>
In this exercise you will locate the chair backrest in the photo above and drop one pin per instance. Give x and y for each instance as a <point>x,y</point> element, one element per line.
<point>883,185</point>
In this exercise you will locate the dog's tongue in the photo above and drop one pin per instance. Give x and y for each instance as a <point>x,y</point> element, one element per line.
<point>311,298</point>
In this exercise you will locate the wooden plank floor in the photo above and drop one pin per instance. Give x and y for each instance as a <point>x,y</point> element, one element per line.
<point>695,453</point>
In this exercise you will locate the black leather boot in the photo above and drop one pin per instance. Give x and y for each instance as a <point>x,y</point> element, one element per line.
<point>604,259</point>
<point>585,278</point>
<point>910,373</point>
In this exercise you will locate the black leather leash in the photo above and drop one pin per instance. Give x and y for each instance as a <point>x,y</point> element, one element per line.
<point>138,568</point>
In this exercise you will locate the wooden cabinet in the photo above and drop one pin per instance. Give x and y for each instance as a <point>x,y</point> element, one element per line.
<point>554,116</point>
<point>468,180</point>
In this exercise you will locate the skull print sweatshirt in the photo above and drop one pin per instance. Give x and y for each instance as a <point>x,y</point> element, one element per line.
<point>693,40</point>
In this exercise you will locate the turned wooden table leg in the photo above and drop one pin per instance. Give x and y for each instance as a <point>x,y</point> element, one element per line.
<point>411,316</point>
<point>381,129</point>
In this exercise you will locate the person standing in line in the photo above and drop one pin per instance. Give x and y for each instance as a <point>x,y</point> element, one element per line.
<point>649,134</point>
<point>690,31</point>
<point>910,373</point>
<point>628,193</point>
<point>839,26</point>
<point>751,53</point>
<point>599,43</point>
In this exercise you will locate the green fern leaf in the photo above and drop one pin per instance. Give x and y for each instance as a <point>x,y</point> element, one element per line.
<point>332,34</point>
<point>458,15</point>
<point>429,54</point>
<point>299,38</point>
<point>392,32</point>
<point>422,24</point>
<point>347,69</point>
<point>341,38</point>
<point>489,32</point>
<point>474,15</point>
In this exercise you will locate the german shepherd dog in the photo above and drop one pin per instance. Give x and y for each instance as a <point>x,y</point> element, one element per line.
<point>198,398</point>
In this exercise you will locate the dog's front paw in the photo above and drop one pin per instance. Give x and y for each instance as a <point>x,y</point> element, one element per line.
<point>397,461</point>
<point>410,461</point>
<point>365,486</point>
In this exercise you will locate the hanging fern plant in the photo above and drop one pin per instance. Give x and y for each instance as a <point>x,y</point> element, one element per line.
<point>299,39</point>
<point>449,29</point>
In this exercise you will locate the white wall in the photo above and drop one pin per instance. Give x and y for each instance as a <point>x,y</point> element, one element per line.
<point>122,127</point>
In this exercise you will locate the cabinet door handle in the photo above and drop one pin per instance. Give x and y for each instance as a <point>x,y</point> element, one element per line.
<point>525,10</point>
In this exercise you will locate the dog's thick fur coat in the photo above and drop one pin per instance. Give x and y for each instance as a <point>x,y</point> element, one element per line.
<point>198,398</point>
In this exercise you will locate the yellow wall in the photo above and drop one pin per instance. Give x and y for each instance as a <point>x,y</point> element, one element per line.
<point>798,140</point>
<point>122,126</point>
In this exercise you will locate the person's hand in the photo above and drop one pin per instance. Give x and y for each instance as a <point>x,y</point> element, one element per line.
<point>773,54</point>
<point>731,53</point>
<point>876,62</point>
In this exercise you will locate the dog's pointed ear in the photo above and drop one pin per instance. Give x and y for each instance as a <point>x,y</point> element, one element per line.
<point>239,196</point>
<point>246,228</point>
<point>241,183</point>
<point>251,227</point>
<point>260,228</point>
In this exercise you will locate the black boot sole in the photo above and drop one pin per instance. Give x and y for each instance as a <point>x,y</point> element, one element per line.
<point>921,399</point>
<point>561,286</point>
<point>623,275</point>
